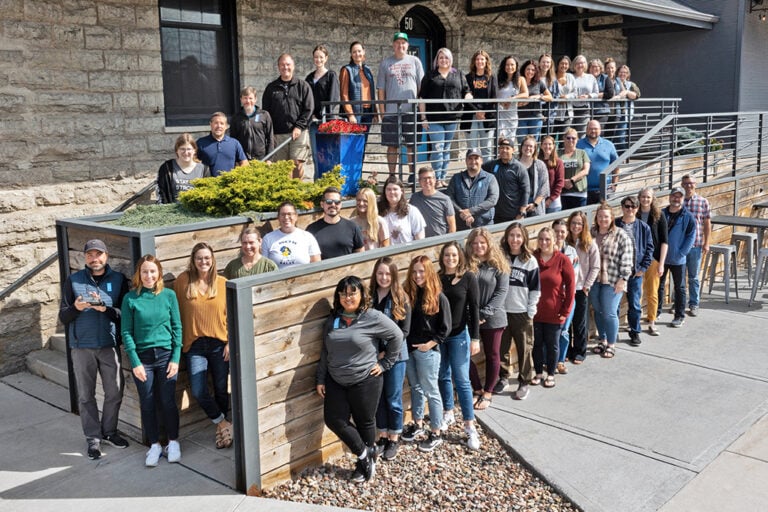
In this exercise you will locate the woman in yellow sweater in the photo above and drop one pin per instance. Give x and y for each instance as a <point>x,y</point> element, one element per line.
<point>202,301</point>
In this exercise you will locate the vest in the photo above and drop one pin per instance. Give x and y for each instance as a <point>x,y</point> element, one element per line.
<point>356,86</point>
<point>92,329</point>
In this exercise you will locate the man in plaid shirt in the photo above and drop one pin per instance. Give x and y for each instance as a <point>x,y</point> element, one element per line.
<point>699,208</point>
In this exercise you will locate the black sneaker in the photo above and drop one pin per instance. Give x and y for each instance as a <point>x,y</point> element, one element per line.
<point>678,322</point>
<point>116,440</point>
<point>380,446</point>
<point>430,443</point>
<point>94,449</point>
<point>390,451</point>
<point>634,339</point>
<point>368,465</point>
<point>500,386</point>
<point>411,431</point>
<point>357,475</point>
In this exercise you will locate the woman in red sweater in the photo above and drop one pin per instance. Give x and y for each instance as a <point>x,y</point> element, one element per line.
<point>558,287</point>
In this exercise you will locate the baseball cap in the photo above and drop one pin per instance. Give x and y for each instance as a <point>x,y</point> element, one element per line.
<point>474,152</point>
<point>677,190</point>
<point>95,245</point>
<point>400,35</point>
<point>505,142</point>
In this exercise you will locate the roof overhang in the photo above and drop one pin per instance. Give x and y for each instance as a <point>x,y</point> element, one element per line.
<point>639,12</point>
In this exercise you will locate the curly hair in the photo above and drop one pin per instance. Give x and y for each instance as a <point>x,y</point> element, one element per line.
<point>431,300</point>
<point>525,251</point>
<point>399,298</point>
<point>503,77</point>
<point>536,76</point>
<point>495,257</point>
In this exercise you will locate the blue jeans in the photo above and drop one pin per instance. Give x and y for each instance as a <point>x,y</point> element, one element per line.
<point>389,414</point>
<point>482,139</point>
<point>206,356</point>
<point>440,135</point>
<point>454,364</point>
<point>693,267</point>
<point>423,369</point>
<point>634,305</point>
<point>606,303</point>
<point>529,126</point>
<point>565,336</point>
<point>157,390</point>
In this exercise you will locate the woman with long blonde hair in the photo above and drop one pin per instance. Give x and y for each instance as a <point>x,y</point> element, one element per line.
<point>430,326</point>
<point>366,215</point>
<point>487,261</point>
<point>201,293</point>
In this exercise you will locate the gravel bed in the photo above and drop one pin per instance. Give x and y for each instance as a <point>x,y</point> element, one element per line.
<point>450,478</point>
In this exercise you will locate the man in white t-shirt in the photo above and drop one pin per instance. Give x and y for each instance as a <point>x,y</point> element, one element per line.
<point>289,245</point>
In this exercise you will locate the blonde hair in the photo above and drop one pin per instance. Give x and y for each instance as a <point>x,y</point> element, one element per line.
<point>371,215</point>
<point>495,257</point>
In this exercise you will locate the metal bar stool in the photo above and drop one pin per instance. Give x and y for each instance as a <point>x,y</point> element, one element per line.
<point>750,241</point>
<point>728,252</point>
<point>761,273</point>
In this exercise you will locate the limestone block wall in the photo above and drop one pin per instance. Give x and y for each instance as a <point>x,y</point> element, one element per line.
<point>27,236</point>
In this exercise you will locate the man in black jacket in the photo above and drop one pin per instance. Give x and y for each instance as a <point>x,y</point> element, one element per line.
<point>514,185</point>
<point>252,127</point>
<point>289,101</point>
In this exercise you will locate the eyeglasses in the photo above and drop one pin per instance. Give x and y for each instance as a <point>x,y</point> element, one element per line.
<point>349,295</point>
<point>629,206</point>
<point>570,138</point>
<point>332,201</point>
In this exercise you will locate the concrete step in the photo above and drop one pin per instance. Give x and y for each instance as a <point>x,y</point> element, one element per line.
<point>50,365</point>
<point>40,388</point>
<point>58,342</point>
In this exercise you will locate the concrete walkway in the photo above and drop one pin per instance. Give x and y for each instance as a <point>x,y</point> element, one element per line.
<point>677,424</point>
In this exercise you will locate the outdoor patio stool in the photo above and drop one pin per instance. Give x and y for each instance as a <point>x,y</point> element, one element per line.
<point>750,239</point>
<point>728,252</point>
<point>761,273</point>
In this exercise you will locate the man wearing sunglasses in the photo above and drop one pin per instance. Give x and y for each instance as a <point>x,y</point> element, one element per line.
<point>336,235</point>
<point>640,233</point>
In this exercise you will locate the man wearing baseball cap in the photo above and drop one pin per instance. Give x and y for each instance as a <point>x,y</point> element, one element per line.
<point>514,184</point>
<point>90,309</point>
<point>399,78</point>
<point>474,193</point>
<point>681,227</point>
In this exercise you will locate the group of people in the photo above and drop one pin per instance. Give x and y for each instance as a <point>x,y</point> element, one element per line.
<point>499,296</point>
<point>550,99</point>
<point>102,308</point>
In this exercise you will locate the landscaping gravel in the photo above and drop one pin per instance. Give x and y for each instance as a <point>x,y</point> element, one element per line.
<point>451,478</point>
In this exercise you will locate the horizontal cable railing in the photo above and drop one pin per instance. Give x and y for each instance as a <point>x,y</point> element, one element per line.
<point>624,122</point>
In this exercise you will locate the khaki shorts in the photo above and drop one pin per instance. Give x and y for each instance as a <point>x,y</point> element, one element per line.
<point>295,150</point>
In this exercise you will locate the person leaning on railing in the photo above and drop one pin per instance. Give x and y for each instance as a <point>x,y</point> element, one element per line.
<point>482,84</point>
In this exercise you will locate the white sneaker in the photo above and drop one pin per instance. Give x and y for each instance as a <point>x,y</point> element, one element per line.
<point>153,455</point>
<point>173,451</point>
<point>448,420</point>
<point>473,438</point>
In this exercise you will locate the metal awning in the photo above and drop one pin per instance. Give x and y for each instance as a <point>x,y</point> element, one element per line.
<point>656,12</point>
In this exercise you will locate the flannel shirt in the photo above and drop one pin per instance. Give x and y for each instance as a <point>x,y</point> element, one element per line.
<point>616,257</point>
<point>699,208</point>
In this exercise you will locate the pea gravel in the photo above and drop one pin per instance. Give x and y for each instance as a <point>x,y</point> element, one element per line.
<point>451,478</point>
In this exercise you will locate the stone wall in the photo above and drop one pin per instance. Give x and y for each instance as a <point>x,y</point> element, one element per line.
<point>27,236</point>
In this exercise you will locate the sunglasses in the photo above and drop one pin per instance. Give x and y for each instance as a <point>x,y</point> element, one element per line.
<point>628,206</point>
<point>570,138</point>
<point>332,201</point>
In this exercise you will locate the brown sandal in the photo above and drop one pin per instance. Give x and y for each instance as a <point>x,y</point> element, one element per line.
<point>482,403</point>
<point>223,436</point>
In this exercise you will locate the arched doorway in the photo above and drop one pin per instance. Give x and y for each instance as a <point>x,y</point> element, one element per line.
<point>426,34</point>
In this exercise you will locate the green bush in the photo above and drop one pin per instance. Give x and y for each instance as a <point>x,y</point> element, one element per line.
<point>257,187</point>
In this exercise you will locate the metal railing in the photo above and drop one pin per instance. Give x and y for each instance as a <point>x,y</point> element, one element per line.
<point>708,146</point>
<point>623,121</point>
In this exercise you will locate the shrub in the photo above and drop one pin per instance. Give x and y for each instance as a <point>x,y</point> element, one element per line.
<point>257,187</point>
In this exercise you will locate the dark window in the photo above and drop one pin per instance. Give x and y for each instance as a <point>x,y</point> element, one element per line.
<point>565,36</point>
<point>199,71</point>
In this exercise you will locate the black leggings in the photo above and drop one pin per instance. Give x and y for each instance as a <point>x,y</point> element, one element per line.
<point>358,401</point>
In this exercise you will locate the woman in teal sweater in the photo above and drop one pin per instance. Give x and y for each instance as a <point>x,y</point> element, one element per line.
<point>151,327</point>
